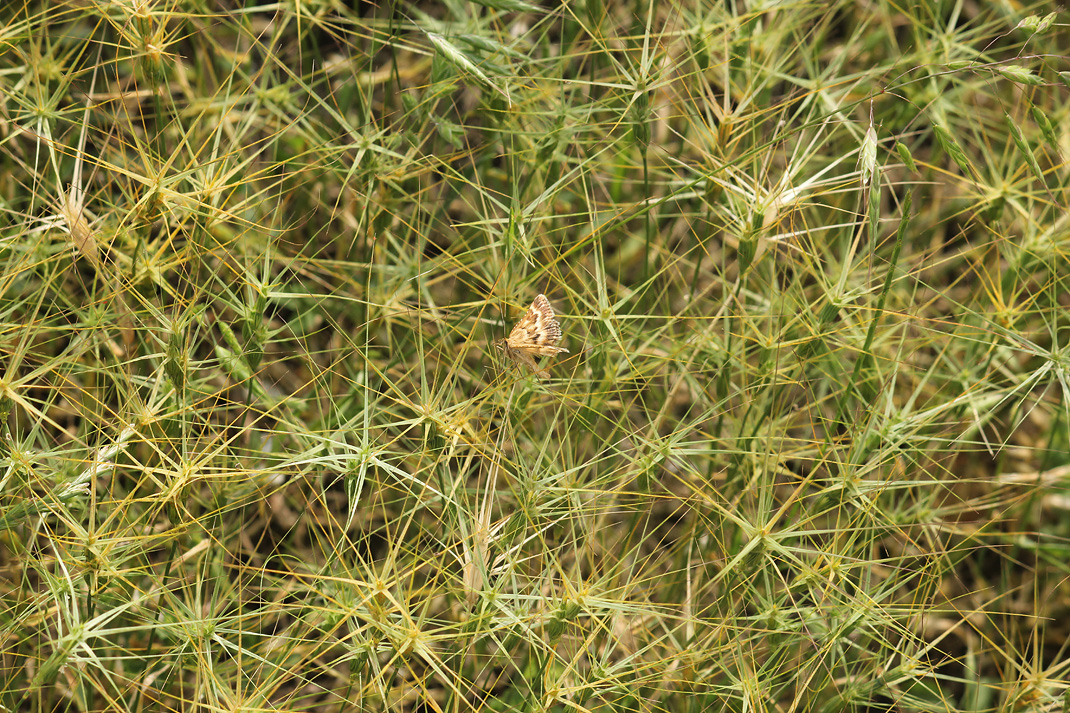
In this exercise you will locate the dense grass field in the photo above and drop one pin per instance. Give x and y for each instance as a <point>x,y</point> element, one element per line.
<point>808,450</point>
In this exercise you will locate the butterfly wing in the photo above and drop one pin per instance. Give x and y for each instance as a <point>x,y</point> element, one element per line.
<point>539,331</point>
<point>526,330</point>
<point>536,334</point>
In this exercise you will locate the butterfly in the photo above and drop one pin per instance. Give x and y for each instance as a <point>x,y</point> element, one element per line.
<point>537,334</point>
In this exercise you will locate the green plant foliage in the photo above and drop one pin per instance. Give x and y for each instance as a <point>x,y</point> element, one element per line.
<point>807,450</point>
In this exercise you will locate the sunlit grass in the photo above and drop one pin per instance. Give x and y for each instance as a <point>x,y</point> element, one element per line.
<point>808,449</point>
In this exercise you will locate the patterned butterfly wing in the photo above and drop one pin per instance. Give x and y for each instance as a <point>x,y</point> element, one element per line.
<point>536,334</point>
<point>539,331</point>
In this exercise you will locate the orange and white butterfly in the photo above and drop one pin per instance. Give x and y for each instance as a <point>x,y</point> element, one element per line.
<point>537,334</point>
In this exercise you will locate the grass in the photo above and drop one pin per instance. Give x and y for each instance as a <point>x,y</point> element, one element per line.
<point>809,448</point>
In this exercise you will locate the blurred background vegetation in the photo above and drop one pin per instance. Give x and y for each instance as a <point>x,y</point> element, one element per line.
<point>808,450</point>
